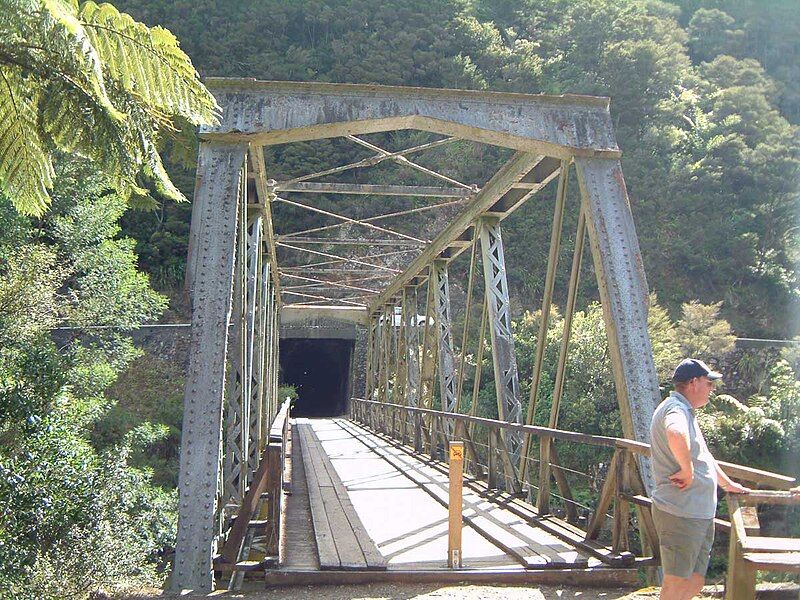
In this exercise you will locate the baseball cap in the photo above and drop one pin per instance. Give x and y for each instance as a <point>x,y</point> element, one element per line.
<point>693,367</point>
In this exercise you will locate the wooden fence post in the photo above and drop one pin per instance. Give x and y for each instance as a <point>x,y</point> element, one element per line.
<point>455,505</point>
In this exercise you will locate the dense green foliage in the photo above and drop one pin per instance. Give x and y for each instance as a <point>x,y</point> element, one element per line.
<point>87,79</point>
<point>58,492</point>
<point>79,507</point>
<point>703,96</point>
<point>706,102</point>
<point>761,430</point>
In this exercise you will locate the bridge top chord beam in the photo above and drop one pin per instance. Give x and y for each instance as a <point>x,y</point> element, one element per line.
<point>270,112</point>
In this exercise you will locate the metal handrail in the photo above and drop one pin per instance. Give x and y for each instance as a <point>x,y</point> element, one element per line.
<point>741,472</point>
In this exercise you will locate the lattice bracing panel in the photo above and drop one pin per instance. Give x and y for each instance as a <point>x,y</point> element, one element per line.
<point>503,356</point>
<point>237,422</point>
<point>447,361</point>
<point>412,345</point>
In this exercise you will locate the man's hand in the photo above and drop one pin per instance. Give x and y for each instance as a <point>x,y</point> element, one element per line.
<point>683,478</point>
<point>735,488</point>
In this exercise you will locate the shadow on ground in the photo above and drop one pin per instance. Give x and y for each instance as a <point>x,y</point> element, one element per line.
<point>411,591</point>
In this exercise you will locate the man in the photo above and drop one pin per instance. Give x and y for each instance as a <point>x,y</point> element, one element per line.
<point>686,479</point>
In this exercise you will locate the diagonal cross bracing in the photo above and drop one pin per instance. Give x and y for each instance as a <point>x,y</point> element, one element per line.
<point>365,189</point>
<point>369,162</point>
<point>349,241</point>
<point>401,213</point>
<point>349,220</point>
<point>342,258</point>
<point>318,297</point>
<point>402,160</point>
<point>330,283</point>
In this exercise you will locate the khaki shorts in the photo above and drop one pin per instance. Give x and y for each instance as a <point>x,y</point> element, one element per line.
<point>685,543</point>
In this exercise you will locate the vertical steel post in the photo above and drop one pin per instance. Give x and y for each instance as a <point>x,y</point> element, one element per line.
<point>624,294</point>
<point>385,332</point>
<point>428,367</point>
<point>257,408</point>
<point>394,352</point>
<point>447,361</point>
<point>237,415</point>
<point>276,356</point>
<point>401,377</point>
<point>269,400</point>
<point>217,194</point>
<point>254,241</point>
<point>376,354</point>
<point>412,345</point>
<point>265,391</point>
<point>545,443</point>
<point>506,376</point>
<point>547,299</point>
<point>370,359</point>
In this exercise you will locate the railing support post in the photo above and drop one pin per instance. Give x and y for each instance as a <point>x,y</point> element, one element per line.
<point>455,504</point>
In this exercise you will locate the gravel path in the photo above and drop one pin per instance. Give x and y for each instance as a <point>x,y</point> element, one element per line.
<point>254,591</point>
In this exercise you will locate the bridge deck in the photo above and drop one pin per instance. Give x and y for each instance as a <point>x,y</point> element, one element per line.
<point>363,509</point>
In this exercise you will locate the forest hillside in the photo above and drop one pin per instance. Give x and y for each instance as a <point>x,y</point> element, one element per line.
<point>95,164</point>
<point>705,97</point>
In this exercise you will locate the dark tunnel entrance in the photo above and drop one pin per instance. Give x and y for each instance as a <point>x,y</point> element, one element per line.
<point>320,371</point>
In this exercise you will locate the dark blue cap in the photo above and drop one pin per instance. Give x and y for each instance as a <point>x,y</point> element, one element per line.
<point>693,367</point>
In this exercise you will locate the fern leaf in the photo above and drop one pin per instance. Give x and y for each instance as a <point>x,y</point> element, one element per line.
<point>81,127</point>
<point>26,171</point>
<point>154,170</point>
<point>63,28</point>
<point>148,63</point>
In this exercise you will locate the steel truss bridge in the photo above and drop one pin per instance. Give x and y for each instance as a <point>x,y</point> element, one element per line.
<point>247,467</point>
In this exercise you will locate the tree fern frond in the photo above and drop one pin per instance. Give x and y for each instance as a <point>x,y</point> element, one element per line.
<point>83,128</point>
<point>148,63</point>
<point>61,28</point>
<point>26,171</point>
<point>154,170</point>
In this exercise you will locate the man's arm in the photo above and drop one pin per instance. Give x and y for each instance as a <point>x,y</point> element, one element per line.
<point>727,484</point>
<point>678,441</point>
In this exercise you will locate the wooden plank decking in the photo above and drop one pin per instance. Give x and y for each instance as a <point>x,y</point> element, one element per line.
<point>373,508</point>
<point>342,540</point>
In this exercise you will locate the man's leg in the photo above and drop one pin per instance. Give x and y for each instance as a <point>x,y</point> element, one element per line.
<point>674,588</point>
<point>696,582</point>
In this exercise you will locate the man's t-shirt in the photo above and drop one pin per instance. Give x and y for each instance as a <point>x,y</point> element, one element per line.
<point>699,500</point>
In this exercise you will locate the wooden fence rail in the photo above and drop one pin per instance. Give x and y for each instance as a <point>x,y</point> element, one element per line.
<point>266,486</point>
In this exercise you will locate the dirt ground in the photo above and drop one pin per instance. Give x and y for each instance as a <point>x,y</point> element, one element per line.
<point>386,591</point>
